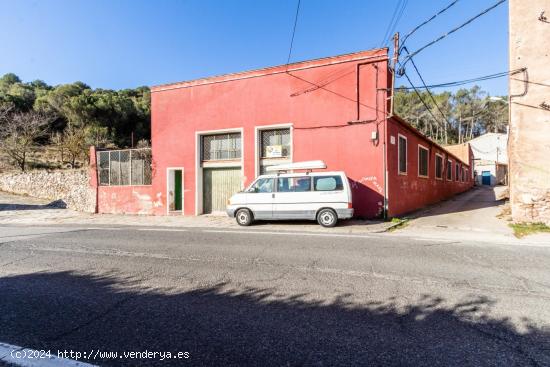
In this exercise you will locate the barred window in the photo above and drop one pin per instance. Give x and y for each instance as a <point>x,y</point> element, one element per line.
<point>125,167</point>
<point>221,147</point>
<point>275,143</point>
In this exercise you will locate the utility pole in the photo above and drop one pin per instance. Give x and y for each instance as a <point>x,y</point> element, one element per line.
<point>394,68</point>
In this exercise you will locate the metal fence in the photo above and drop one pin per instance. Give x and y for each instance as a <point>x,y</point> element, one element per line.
<point>124,167</point>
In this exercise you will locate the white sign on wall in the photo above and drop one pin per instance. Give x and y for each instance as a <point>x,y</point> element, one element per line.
<point>274,151</point>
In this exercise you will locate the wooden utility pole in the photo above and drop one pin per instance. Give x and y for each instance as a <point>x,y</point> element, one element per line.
<point>394,69</point>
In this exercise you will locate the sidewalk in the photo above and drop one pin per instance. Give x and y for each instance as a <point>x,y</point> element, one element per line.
<point>473,215</point>
<point>24,210</point>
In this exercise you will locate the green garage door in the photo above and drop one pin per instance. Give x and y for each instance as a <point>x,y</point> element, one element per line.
<point>219,184</point>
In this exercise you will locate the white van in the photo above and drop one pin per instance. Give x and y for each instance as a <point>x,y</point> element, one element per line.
<point>321,196</point>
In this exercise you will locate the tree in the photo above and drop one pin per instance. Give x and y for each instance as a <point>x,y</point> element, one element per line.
<point>19,133</point>
<point>74,143</point>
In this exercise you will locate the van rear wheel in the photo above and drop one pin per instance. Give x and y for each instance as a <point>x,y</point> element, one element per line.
<point>243,217</point>
<point>327,218</point>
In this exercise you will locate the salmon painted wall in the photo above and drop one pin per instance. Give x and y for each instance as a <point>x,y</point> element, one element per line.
<point>318,97</point>
<point>410,192</point>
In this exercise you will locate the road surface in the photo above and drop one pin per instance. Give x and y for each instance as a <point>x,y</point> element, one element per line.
<point>272,298</point>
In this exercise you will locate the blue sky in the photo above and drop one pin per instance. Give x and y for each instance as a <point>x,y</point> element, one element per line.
<point>127,43</point>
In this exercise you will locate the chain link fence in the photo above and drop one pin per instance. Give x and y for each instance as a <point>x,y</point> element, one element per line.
<point>125,167</point>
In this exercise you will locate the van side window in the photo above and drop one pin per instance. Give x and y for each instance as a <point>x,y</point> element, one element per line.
<point>262,185</point>
<point>328,183</point>
<point>293,184</point>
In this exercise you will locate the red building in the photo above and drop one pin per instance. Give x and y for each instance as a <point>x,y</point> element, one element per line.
<point>213,136</point>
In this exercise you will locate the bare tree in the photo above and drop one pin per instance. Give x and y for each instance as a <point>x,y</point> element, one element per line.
<point>19,133</point>
<point>74,143</point>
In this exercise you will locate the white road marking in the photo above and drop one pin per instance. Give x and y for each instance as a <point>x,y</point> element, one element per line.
<point>26,357</point>
<point>163,229</point>
<point>290,233</point>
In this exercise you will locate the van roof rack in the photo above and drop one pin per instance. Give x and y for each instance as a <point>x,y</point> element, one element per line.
<point>307,165</point>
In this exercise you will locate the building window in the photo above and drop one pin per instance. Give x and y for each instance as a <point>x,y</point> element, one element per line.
<point>438,166</point>
<point>275,143</point>
<point>125,167</point>
<point>293,184</point>
<point>423,154</point>
<point>466,175</point>
<point>221,147</point>
<point>449,170</point>
<point>457,172</point>
<point>402,154</point>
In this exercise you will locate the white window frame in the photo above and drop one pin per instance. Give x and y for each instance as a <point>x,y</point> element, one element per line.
<point>199,168</point>
<point>442,166</point>
<point>420,146</point>
<point>450,171</point>
<point>399,172</point>
<point>257,134</point>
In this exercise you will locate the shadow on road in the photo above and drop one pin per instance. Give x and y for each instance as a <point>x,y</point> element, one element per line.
<point>57,204</point>
<point>231,325</point>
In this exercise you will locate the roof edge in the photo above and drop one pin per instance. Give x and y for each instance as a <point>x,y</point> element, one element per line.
<point>417,132</point>
<point>304,64</point>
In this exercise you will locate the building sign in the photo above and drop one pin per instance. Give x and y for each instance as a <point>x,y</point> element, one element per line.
<point>274,151</point>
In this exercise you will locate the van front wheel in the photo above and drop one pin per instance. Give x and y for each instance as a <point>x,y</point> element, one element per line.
<point>327,218</point>
<point>243,217</point>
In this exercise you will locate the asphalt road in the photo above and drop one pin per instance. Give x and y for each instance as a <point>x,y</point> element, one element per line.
<point>273,299</point>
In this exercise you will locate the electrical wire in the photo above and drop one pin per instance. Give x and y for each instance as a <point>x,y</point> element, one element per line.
<point>394,21</point>
<point>428,90</point>
<point>473,80</point>
<point>420,97</point>
<point>402,71</point>
<point>426,22</point>
<point>293,32</point>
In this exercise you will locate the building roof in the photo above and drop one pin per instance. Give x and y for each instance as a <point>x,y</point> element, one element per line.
<point>381,53</point>
<point>444,148</point>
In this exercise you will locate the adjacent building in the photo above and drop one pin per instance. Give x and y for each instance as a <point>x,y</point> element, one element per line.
<point>211,137</point>
<point>490,159</point>
<point>529,140</point>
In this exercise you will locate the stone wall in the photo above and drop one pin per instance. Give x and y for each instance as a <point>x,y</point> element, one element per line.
<point>70,186</point>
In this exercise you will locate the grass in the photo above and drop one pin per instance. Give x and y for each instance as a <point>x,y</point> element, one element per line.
<point>398,223</point>
<point>524,229</point>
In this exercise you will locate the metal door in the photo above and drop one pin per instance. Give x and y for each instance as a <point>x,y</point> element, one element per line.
<point>219,184</point>
<point>486,177</point>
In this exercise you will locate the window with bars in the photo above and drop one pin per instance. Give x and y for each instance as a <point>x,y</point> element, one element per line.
<point>221,147</point>
<point>422,161</point>
<point>275,143</point>
<point>124,167</point>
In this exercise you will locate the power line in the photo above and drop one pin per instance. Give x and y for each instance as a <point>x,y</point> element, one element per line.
<point>401,70</point>
<point>427,90</point>
<point>473,80</point>
<point>421,99</point>
<point>427,21</point>
<point>293,32</point>
<point>396,17</point>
